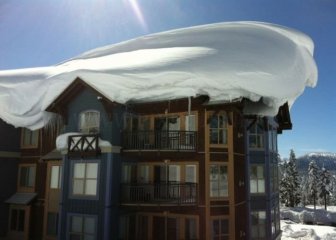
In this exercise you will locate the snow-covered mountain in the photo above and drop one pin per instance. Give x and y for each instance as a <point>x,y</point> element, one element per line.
<point>328,160</point>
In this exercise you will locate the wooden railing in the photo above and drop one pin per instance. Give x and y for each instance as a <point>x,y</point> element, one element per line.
<point>160,140</point>
<point>82,144</point>
<point>170,193</point>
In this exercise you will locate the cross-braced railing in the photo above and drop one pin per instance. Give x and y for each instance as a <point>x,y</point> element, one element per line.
<point>82,144</point>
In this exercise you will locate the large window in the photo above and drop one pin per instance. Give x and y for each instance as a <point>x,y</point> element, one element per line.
<point>258,229</point>
<point>89,122</point>
<point>27,176</point>
<point>218,129</point>
<point>85,176</point>
<point>17,222</point>
<point>256,135</point>
<point>218,180</point>
<point>82,228</point>
<point>29,138</point>
<point>191,227</point>
<point>220,229</point>
<point>55,177</point>
<point>257,179</point>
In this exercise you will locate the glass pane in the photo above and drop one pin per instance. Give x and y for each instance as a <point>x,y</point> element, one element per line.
<point>31,176</point>
<point>215,227</point>
<point>262,215</point>
<point>223,136</point>
<point>261,186</point>
<point>213,172</point>
<point>26,137</point>
<point>253,172</point>
<point>21,220</point>
<point>54,176</point>
<point>214,136</point>
<point>34,138</point>
<point>14,214</point>
<point>174,173</point>
<point>190,228</point>
<point>78,186</point>
<point>89,225</point>
<point>214,122</point>
<point>190,173</point>
<point>79,170</point>
<point>144,174</point>
<point>91,187</point>
<point>253,186</point>
<point>225,226</point>
<point>91,170</point>
<point>77,224</point>
<point>214,189</point>
<point>190,122</point>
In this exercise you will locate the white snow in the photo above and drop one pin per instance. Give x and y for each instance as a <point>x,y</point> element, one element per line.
<point>294,223</point>
<point>225,61</point>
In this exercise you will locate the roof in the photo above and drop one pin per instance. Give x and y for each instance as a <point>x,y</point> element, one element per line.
<point>53,155</point>
<point>21,198</point>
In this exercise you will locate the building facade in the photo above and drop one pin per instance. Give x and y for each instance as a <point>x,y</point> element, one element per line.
<point>177,169</point>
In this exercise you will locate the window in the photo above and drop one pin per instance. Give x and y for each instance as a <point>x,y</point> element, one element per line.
<point>55,177</point>
<point>220,229</point>
<point>143,174</point>
<point>190,173</point>
<point>29,138</point>
<point>256,136</point>
<point>82,228</point>
<point>218,181</point>
<point>257,179</point>
<point>218,129</point>
<point>17,222</point>
<point>190,229</point>
<point>85,179</point>
<point>27,176</point>
<point>89,122</point>
<point>258,225</point>
<point>52,224</point>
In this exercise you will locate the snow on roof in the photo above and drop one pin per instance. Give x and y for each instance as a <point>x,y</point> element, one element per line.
<point>224,61</point>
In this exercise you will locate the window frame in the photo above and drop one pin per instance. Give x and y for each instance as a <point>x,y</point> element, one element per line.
<point>71,188</point>
<point>220,235</point>
<point>82,233</point>
<point>87,129</point>
<point>33,134</point>
<point>259,134</point>
<point>59,175</point>
<point>218,181</point>
<point>257,179</point>
<point>219,129</point>
<point>259,224</point>
<point>26,188</point>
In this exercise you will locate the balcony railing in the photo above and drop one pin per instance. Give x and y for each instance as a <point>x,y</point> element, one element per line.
<point>160,193</point>
<point>160,140</point>
<point>83,144</point>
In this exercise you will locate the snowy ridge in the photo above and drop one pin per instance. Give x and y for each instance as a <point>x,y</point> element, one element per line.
<point>225,61</point>
<point>322,159</point>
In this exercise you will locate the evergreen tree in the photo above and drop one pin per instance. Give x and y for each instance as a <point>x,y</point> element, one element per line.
<point>324,186</point>
<point>304,189</point>
<point>313,181</point>
<point>290,183</point>
<point>284,186</point>
<point>294,181</point>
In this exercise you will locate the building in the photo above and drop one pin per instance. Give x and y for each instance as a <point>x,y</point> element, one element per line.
<point>9,159</point>
<point>177,169</point>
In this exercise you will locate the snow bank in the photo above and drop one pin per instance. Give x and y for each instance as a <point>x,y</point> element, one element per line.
<point>307,215</point>
<point>224,61</point>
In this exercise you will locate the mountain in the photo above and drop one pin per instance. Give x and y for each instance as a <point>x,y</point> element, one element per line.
<point>322,159</point>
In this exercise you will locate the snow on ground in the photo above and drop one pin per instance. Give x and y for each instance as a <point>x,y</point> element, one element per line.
<point>226,61</point>
<point>297,223</point>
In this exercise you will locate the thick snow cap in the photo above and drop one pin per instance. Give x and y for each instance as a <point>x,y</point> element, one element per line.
<point>225,61</point>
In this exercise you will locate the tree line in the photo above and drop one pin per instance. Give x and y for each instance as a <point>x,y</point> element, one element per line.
<point>317,186</point>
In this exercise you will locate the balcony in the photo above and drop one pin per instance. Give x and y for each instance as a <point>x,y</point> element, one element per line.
<point>83,145</point>
<point>168,194</point>
<point>160,140</point>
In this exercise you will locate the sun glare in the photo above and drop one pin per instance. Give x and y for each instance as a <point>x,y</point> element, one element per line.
<point>138,13</point>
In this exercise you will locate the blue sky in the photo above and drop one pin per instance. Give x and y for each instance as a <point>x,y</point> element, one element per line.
<point>44,32</point>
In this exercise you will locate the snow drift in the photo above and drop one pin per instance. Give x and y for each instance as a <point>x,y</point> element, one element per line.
<point>225,61</point>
